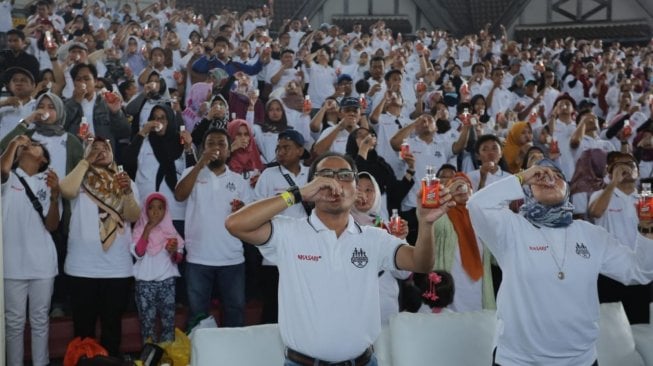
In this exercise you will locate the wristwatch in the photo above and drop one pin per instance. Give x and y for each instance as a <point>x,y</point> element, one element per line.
<point>294,190</point>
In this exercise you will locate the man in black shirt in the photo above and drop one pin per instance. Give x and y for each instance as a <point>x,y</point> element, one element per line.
<point>16,55</point>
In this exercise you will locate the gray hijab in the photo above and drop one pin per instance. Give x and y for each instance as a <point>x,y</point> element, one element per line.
<point>55,129</point>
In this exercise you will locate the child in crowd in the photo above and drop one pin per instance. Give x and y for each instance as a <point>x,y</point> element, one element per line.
<point>158,248</point>
<point>430,292</point>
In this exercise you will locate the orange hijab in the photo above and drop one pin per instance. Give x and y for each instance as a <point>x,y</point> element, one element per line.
<point>469,254</point>
<point>512,146</point>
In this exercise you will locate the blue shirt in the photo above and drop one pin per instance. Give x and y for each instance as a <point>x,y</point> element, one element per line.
<point>204,64</point>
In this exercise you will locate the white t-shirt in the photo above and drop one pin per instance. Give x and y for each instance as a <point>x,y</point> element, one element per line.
<point>10,116</point>
<point>329,286</point>
<point>475,177</point>
<point>543,320</point>
<point>85,257</point>
<point>56,146</point>
<point>587,143</point>
<point>272,182</point>
<point>207,240</point>
<point>338,145</point>
<point>148,167</point>
<point>28,250</point>
<point>6,23</point>
<point>321,83</point>
<point>563,134</point>
<point>156,267</point>
<point>434,154</point>
<point>385,129</point>
<point>620,218</point>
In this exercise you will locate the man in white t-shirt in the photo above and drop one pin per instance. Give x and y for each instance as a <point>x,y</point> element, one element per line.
<point>488,152</point>
<point>329,310</point>
<point>334,138</point>
<point>428,150</point>
<point>274,181</point>
<point>21,84</point>
<point>214,257</point>
<point>614,208</point>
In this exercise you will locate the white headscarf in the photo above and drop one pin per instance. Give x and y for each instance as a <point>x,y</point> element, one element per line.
<point>370,216</point>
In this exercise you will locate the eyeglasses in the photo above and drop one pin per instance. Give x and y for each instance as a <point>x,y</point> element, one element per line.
<point>343,175</point>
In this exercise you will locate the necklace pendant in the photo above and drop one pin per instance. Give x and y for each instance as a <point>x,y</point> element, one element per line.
<point>561,275</point>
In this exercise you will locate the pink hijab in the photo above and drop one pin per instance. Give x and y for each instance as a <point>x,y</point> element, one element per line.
<point>161,233</point>
<point>199,93</point>
<point>244,159</point>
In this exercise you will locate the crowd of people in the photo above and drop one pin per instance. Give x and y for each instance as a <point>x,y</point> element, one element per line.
<point>145,149</point>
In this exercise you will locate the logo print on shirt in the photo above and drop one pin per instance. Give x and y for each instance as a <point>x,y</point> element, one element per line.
<point>231,187</point>
<point>41,194</point>
<point>538,248</point>
<point>359,258</point>
<point>582,250</point>
<point>438,154</point>
<point>309,257</point>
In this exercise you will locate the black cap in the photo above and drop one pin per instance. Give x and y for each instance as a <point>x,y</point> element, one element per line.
<point>586,103</point>
<point>297,138</point>
<point>347,102</point>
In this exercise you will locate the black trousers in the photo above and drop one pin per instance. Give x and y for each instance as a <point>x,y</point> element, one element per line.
<point>635,298</point>
<point>99,298</point>
<point>269,294</point>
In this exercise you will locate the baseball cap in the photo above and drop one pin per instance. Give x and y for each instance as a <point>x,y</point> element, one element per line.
<point>586,103</point>
<point>79,45</point>
<point>297,138</point>
<point>350,102</point>
<point>9,73</point>
<point>344,77</point>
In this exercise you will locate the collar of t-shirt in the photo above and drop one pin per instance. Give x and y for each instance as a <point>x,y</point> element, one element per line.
<point>318,225</point>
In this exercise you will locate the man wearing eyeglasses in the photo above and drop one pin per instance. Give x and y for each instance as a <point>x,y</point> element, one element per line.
<point>329,308</point>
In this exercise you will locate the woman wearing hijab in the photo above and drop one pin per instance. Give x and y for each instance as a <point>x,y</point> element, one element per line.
<point>151,159</point>
<point>48,120</point>
<point>360,146</point>
<point>267,131</point>
<point>196,109</point>
<point>157,247</point>
<point>587,179</point>
<point>244,97</point>
<point>245,158</point>
<point>519,140</point>
<point>217,116</point>
<point>367,211</point>
<point>99,265</point>
<point>65,152</point>
<point>548,308</point>
<point>458,252</point>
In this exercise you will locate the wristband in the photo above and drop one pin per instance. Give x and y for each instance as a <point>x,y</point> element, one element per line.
<point>288,198</point>
<point>294,190</point>
<point>520,178</point>
<point>410,171</point>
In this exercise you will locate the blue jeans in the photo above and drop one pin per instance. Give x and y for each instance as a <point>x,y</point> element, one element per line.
<point>372,362</point>
<point>230,282</point>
